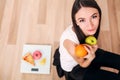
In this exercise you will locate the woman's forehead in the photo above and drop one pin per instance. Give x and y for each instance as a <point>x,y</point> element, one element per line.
<point>86,12</point>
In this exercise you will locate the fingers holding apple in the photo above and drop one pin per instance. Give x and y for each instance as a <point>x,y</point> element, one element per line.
<point>92,48</point>
<point>95,47</point>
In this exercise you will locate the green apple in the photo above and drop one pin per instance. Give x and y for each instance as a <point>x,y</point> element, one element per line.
<point>91,40</point>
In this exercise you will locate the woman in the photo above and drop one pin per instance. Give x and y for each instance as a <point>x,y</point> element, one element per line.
<point>86,19</point>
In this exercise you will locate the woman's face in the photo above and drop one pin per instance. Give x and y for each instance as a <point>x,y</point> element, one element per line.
<point>87,19</point>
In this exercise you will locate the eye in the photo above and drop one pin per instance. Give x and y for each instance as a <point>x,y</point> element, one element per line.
<point>94,16</point>
<point>82,20</point>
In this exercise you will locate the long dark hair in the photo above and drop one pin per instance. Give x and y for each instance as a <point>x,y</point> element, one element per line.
<point>78,4</point>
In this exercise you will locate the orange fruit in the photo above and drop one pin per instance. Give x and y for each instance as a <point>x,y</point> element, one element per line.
<point>80,51</point>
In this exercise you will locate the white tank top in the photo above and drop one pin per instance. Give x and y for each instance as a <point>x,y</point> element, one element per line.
<point>67,61</point>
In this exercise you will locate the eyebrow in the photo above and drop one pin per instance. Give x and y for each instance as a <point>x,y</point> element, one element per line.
<point>91,16</point>
<point>94,14</point>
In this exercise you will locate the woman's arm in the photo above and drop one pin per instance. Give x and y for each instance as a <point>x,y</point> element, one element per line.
<point>83,62</point>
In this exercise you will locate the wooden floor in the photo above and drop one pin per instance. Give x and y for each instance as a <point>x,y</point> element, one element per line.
<point>42,22</point>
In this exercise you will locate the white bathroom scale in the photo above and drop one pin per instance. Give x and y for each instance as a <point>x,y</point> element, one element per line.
<point>36,59</point>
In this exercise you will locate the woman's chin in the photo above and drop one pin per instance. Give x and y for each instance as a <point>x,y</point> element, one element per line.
<point>91,33</point>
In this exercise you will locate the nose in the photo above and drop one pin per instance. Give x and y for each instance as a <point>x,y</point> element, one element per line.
<point>90,24</point>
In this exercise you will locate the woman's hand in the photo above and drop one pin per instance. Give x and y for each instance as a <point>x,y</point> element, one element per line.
<point>86,61</point>
<point>91,51</point>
